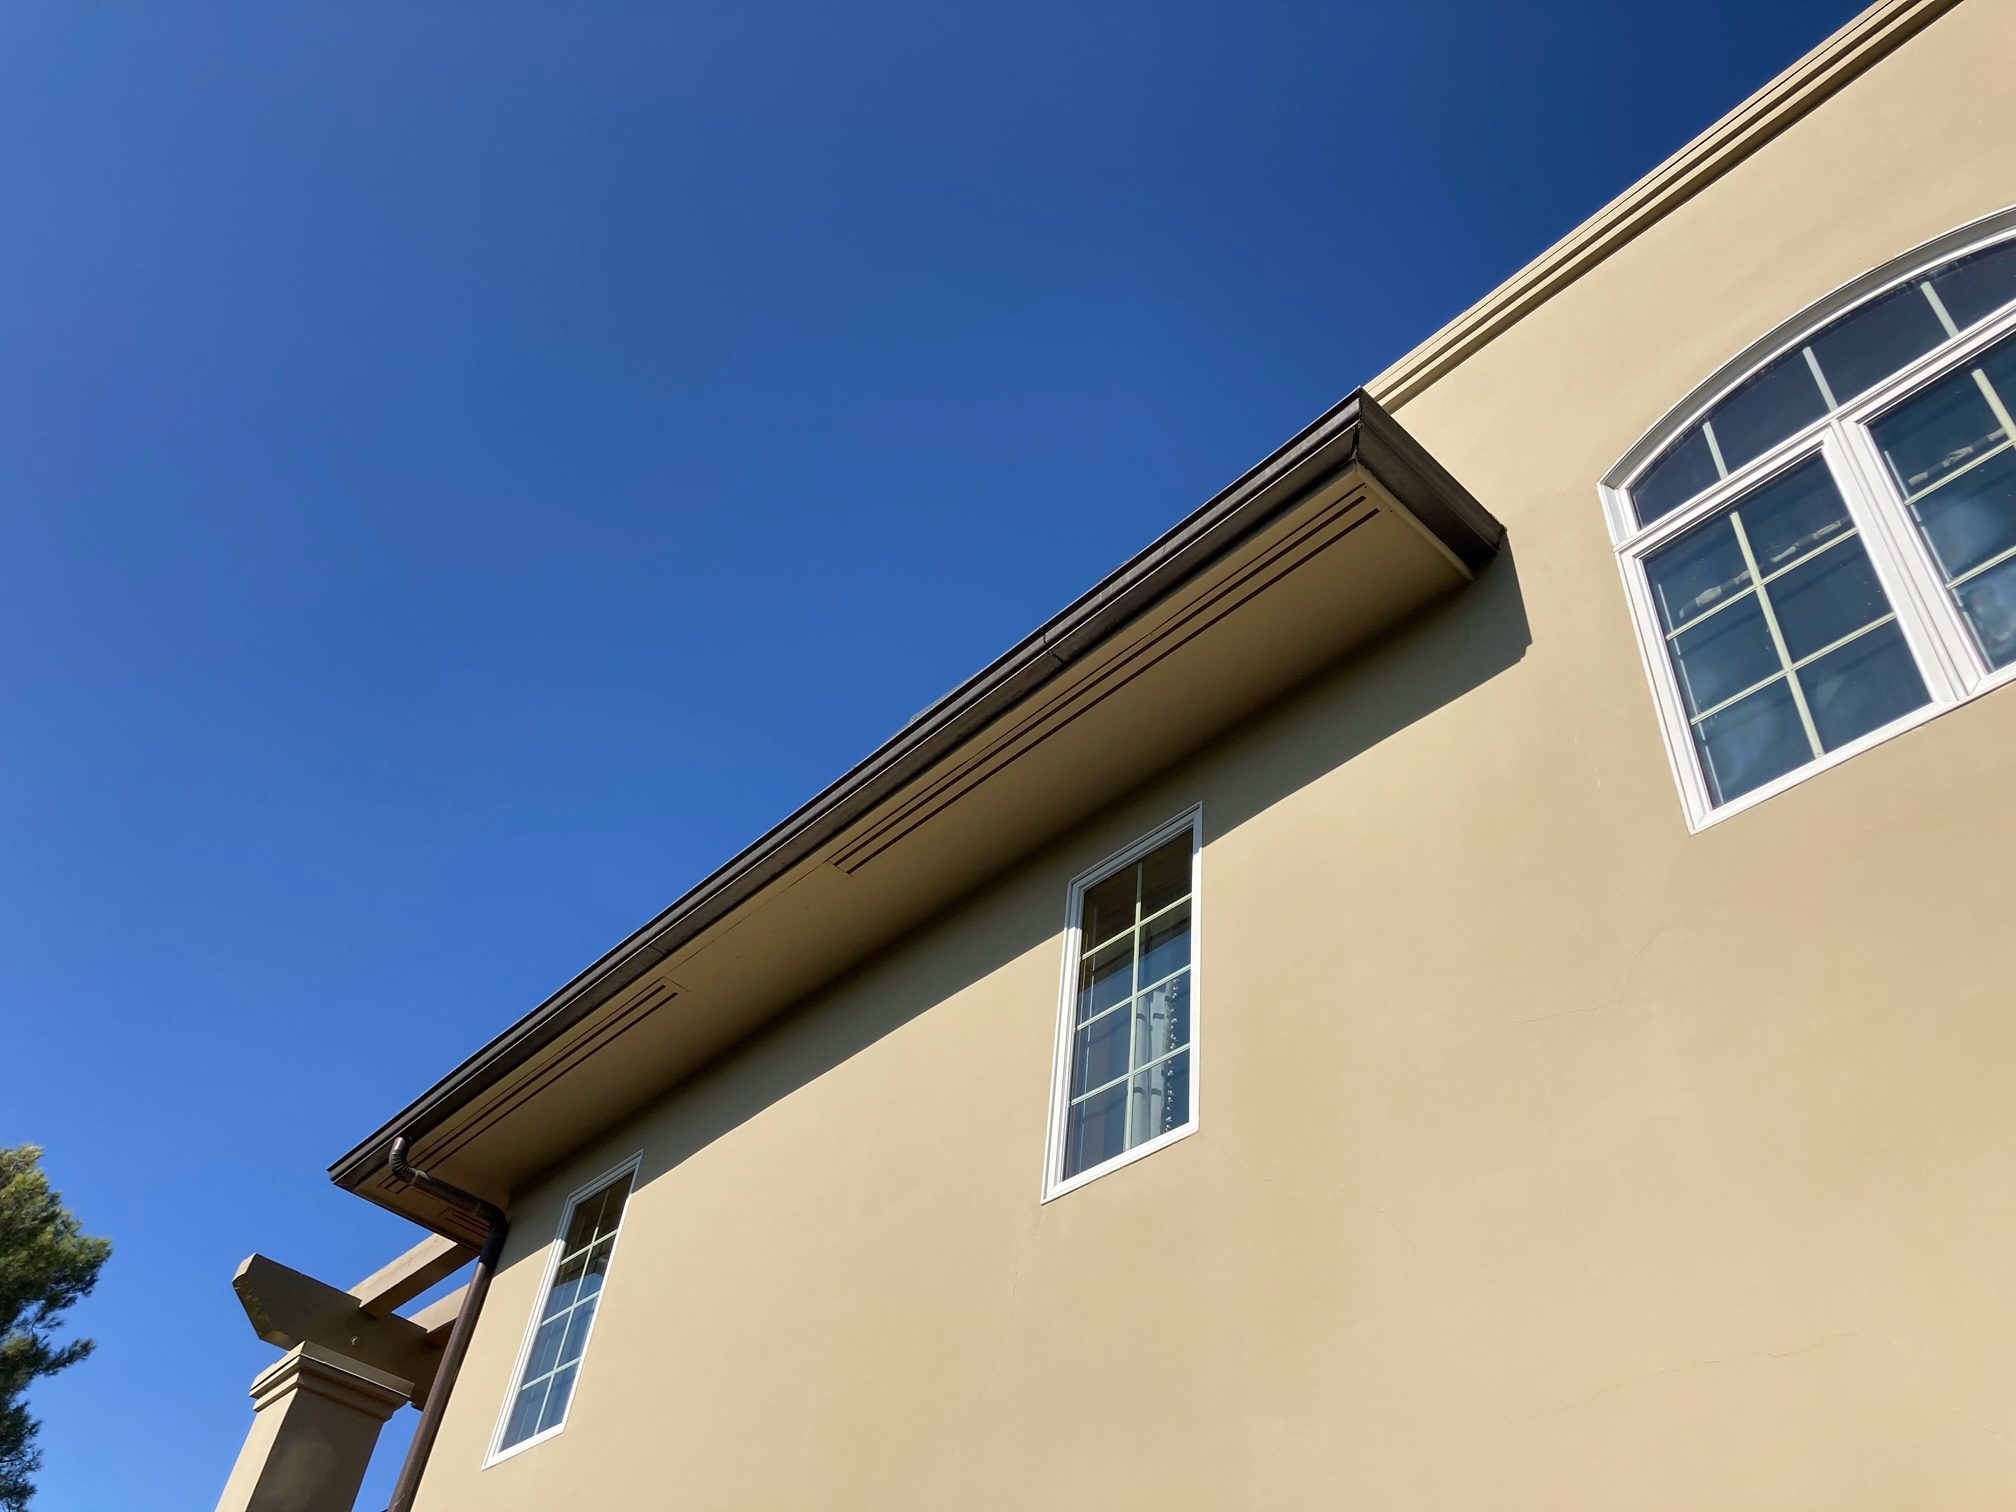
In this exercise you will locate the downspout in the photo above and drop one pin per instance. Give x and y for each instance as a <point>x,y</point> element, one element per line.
<point>465,1319</point>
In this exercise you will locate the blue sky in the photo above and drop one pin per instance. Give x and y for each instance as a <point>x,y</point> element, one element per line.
<point>469,468</point>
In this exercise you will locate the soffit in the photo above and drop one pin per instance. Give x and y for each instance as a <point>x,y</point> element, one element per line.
<point>1343,533</point>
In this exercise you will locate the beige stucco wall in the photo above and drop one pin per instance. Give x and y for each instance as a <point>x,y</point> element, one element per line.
<point>1550,1158</point>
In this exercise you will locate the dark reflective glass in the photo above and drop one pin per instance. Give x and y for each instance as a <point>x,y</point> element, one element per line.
<point>1099,1052</point>
<point>1765,410</point>
<point>525,1413</point>
<point>581,1225</point>
<point>1165,874</point>
<point>1937,432</point>
<point>1107,978</point>
<point>1161,1098</point>
<point>1161,1020</point>
<point>1999,364</point>
<point>556,1398</point>
<point>1683,471</point>
<point>1166,945</point>
<point>614,1196</point>
<point>1866,684</point>
<point>1095,1129</point>
<point>1751,742</point>
<point>1793,514</point>
<point>598,1268</point>
<point>545,1351</point>
<point>1696,572</point>
<point>1976,287</point>
<point>1720,656</point>
<point>1867,345</point>
<point>1108,908</point>
<point>1972,518</point>
<point>566,1283</point>
<point>577,1332</point>
<point>1989,602</point>
<point>1826,598</point>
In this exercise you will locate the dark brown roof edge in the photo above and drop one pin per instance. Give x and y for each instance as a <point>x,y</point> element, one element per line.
<point>1355,430</point>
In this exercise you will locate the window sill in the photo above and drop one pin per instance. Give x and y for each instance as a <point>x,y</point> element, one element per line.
<point>1052,1191</point>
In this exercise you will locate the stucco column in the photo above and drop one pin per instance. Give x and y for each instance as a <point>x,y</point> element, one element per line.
<point>316,1419</point>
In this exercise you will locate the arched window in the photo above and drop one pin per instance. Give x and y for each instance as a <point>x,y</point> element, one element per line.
<point>1819,546</point>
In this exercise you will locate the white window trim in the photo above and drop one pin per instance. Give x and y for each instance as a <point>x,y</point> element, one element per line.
<point>1190,822</point>
<point>1953,668</point>
<point>555,1252</point>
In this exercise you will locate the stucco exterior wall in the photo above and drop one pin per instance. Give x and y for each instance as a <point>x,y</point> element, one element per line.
<point>1550,1156</point>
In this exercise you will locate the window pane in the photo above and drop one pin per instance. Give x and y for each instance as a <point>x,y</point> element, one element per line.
<point>1161,1020</point>
<point>1108,907</point>
<point>1686,468</point>
<point>1867,683</point>
<point>1166,945</point>
<point>1976,287</point>
<point>1724,654</point>
<point>577,1332</point>
<point>1863,348</point>
<point>1941,430</point>
<point>1794,513</point>
<point>1161,1098</point>
<point>1826,598</point>
<point>1973,518</point>
<point>1766,410</point>
<point>1107,978</point>
<point>1696,572</point>
<point>1749,743</point>
<point>1099,1052</point>
<point>524,1420</point>
<point>566,1283</point>
<point>1096,1129</point>
<point>598,1269</point>
<point>581,1226</point>
<point>1989,602</point>
<point>557,1397</point>
<point>613,1200</point>
<point>1165,875</point>
<point>545,1352</point>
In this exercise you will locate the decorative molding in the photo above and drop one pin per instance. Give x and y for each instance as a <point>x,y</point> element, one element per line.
<point>1831,66</point>
<point>322,1372</point>
<point>1330,524</point>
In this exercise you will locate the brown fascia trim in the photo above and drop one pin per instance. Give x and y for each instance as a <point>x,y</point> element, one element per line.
<point>1355,432</point>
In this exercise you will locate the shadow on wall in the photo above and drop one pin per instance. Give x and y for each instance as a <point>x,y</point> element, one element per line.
<point>1371,697</point>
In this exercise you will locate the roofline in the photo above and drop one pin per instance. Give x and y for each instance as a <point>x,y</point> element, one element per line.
<point>1821,73</point>
<point>1354,431</point>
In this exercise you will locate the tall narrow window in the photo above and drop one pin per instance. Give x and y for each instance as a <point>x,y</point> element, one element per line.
<point>1824,552</point>
<point>1126,1074</point>
<point>559,1338</point>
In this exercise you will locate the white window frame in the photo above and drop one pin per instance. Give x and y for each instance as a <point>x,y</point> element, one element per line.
<point>555,1252</point>
<point>1947,657</point>
<point>1055,1185</point>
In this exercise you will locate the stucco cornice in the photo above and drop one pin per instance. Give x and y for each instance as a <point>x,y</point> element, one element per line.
<point>1838,61</point>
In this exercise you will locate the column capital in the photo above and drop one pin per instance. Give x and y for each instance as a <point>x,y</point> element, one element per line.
<point>321,1372</point>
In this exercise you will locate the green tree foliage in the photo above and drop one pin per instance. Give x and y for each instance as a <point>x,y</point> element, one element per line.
<point>46,1263</point>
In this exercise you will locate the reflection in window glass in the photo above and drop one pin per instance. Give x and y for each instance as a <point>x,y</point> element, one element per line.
<point>1766,409</point>
<point>1851,355</point>
<point>1976,287</point>
<point>1129,1076</point>
<point>1951,452</point>
<point>1684,470</point>
<point>1866,346</point>
<point>1763,642</point>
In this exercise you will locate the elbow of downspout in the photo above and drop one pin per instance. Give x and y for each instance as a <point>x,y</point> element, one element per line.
<point>495,1225</point>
